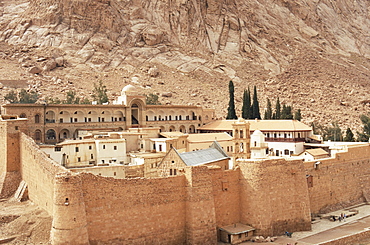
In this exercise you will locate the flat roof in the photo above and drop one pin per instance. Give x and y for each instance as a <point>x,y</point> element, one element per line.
<point>262,125</point>
<point>237,228</point>
<point>204,137</point>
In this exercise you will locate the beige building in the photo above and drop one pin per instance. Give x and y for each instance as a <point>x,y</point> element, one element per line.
<point>53,123</point>
<point>175,162</point>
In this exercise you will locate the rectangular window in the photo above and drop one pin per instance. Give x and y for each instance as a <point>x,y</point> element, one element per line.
<point>78,159</point>
<point>75,119</point>
<point>102,119</point>
<point>58,149</point>
<point>174,172</point>
<point>89,119</point>
<point>103,147</point>
<point>90,147</point>
<point>115,147</point>
<point>77,150</point>
<point>92,156</point>
<point>170,171</point>
<point>61,120</point>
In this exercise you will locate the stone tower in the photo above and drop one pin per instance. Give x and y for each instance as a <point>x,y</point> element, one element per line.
<point>241,139</point>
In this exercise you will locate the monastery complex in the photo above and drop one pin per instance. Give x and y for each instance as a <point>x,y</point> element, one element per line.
<point>132,173</point>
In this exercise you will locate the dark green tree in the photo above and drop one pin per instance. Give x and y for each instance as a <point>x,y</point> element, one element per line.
<point>255,105</point>
<point>85,101</point>
<point>286,112</point>
<point>277,114</point>
<point>298,115</point>
<point>268,112</point>
<point>246,109</point>
<point>349,136</point>
<point>332,132</point>
<point>12,97</point>
<point>71,98</point>
<point>100,93</point>
<point>365,134</point>
<point>27,97</point>
<point>152,99</point>
<point>231,114</point>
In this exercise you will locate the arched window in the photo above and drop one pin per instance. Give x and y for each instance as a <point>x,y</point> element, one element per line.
<point>37,135</point>
<point>37,118</point>
<point>50,134</point>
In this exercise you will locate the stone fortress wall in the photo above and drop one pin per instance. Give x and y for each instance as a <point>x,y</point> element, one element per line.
<point>341,181</point>
<point>271,195</point>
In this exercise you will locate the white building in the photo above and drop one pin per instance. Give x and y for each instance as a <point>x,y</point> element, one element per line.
<point>283,137</point>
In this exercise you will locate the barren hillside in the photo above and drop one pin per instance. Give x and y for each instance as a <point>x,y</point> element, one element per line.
<point>312,54</point>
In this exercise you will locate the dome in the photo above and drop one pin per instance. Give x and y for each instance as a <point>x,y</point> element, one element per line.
<point>129,88</point>
<point>257,132</point>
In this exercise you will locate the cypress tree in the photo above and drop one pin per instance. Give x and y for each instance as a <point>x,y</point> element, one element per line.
<point>268,112</point>
<point>349,136</point>
<point>255,105</point>
<point>246,109</point>
<point>277,109</point>
<point>297,115</point>
<point>231,109</point>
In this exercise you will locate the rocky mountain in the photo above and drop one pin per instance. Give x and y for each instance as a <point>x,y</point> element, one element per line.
<point>312,54</point>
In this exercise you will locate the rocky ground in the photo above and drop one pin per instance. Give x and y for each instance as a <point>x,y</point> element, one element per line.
<point>23,223</point>
<point>312,55</point>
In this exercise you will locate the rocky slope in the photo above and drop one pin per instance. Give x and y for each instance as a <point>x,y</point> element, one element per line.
<point>312,54</point>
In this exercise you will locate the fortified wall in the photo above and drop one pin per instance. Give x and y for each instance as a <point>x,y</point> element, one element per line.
<point>341,181</point>
<point>271,196</point>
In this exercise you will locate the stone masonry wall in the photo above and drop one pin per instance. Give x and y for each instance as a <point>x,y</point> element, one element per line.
<point>39,172</point>
<point>135,211</point>
<point>226,192</point>
<point>274,196</point>
<point>341,181</point>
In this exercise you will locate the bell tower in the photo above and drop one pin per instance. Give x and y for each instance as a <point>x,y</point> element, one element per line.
<point>241,139</point>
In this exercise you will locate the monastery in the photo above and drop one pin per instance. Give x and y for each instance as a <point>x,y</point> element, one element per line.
<point>131,173</point>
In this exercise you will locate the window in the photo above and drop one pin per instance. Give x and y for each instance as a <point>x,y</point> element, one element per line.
<point>60,120</point>
<point>255,143</point>
<point>38,135</point>
<point>78,159</point>
<point>37,118</point>
<point>170,171</point>
<point>92,156</point>
<point>174,172</point>
<point>75,119</point>
<point>115,147</point>
<point>58,149</point>
<point>103,147</point>
<point>77,150</point>
<point>286,152</point>
<point>16,127</point>
<point>90,147</point>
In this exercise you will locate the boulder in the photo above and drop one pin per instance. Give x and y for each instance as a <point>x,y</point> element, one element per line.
<point>153,72</point>
<point>59,61</point>
<point>152,35</point>
<point>50,65</point>
<point>35,70</point>
<point>167,94</point>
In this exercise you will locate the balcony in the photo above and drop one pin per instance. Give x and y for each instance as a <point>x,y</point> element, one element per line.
<point>285,139</point>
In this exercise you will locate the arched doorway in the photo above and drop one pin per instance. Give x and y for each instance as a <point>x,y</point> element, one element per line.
<point>135,114</point>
